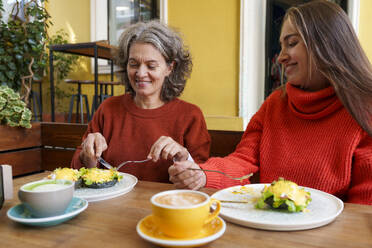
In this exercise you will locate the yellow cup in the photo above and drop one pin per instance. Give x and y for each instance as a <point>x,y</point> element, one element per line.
<point>183,213</point>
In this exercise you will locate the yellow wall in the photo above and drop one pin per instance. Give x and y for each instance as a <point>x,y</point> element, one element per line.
<point>365,35</point>
<point>211,30</point>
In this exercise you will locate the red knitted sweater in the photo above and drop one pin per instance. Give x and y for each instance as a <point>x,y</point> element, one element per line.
<point>305,137</point>
<point>131,131</point>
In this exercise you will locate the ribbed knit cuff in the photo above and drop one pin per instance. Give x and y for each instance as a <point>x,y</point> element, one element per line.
<point>216,180</point>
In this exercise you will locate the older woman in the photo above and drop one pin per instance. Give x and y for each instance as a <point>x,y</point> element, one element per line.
<point>148,121</point>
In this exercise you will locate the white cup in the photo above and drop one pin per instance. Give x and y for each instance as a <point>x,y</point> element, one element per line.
<point>46,198</point>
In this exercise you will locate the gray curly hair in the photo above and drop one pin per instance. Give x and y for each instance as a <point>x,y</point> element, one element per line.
<point>169,44</point>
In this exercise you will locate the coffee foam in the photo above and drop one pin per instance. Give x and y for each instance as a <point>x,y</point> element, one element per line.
<point>180,199</point>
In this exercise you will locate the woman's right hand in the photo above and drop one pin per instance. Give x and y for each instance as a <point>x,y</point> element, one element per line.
<point>92,148</point>
<point>183,178</point>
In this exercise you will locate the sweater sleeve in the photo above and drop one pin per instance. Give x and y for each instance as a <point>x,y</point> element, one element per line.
<point>93,126</point>
<point>244,160</point>
<point>360,190</point>
<point>197,139</point>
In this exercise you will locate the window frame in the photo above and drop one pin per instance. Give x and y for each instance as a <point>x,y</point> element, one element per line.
<point>99,26</point>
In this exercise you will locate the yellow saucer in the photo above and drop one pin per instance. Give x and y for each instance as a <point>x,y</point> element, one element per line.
<point>147,229</point>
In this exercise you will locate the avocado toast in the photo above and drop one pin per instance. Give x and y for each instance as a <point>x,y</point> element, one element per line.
<point>88,177</point>
<point>67,174</point>
<point>99,178</point>
<point>284,194</point>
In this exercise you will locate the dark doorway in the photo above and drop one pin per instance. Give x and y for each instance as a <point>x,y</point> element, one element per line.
<point>275,11</point>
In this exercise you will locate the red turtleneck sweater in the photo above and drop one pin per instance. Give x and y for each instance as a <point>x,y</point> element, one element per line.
<point>305,137</point>
<point>131,131</point>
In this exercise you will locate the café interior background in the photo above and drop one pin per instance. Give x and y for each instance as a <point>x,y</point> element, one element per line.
<point>211,29</point>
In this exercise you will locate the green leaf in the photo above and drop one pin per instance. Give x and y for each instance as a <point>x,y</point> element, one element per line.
<point>10,74</point>
<point>12,66</point>
<point>17,109</point>
<point>27,114</point>
<point>2,77</point>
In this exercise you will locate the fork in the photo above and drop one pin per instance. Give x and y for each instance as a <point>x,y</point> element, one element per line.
<point>134,161</point>
<point>223,173</point>
<point>104,163</point>
<point>108,166</point>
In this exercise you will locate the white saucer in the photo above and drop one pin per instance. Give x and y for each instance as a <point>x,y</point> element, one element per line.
<point>210,232</point>
<point>20,214</point>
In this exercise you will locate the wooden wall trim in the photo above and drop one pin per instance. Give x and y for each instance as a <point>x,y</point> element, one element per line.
<point>12,138</point>
<point>23,162</point>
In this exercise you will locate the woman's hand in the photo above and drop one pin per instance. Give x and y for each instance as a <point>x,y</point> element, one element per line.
<point>184,178</point>
<point>165,147</point>
<point>92,148</point>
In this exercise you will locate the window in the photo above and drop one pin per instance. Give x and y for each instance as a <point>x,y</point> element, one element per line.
<point>109,19</point>
<point>122,13</point>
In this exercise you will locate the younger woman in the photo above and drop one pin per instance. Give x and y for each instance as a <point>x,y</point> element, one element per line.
<point>317,129</point>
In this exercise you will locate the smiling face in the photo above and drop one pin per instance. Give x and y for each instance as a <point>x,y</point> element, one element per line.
<point>147,70</point>
<point>295,59</point>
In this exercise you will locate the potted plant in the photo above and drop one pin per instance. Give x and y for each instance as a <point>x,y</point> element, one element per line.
<point>24,37</point>
<point>24,50</point>
<point>13,111</point>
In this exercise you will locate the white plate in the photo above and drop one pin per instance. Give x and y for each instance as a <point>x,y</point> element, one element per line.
<point>323,209</point>
<point>20,214</point>
<point>120,188</point>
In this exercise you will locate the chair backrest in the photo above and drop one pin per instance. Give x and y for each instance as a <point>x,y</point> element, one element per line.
<point>224,142</point>
<point>59,142</point>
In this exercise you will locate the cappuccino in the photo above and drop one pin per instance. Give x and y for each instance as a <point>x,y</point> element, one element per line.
<point>180,199</point>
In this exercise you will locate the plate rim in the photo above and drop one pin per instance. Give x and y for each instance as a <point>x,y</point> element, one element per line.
<point>48,219</point>
<point>283,227</point>
<point>109,195</point>
<point>181,243</point>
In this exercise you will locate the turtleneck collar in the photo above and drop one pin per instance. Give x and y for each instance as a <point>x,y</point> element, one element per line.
<point>312,105</point>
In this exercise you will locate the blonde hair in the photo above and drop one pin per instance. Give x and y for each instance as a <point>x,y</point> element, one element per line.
<point>335,50</point>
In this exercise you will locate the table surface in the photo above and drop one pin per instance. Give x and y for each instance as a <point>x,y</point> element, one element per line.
<point>112,223</point>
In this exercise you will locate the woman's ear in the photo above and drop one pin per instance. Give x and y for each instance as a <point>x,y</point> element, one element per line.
<point>170,67</point>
